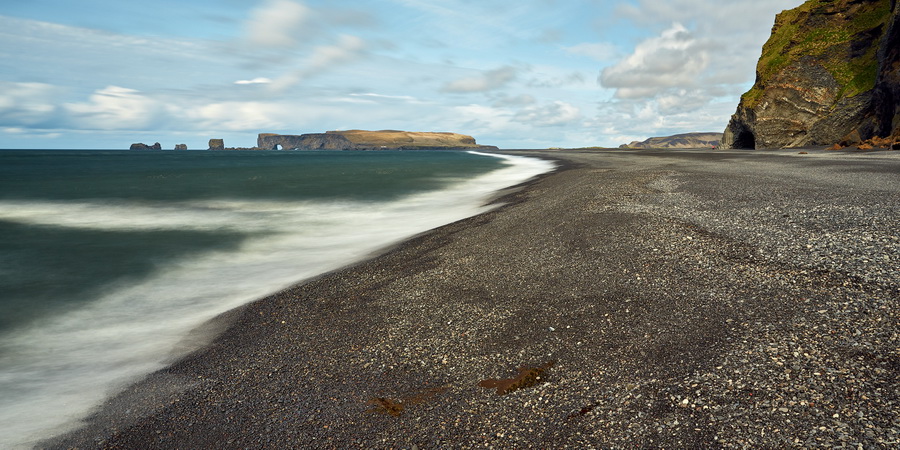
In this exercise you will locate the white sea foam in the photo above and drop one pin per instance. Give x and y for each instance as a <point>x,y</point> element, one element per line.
<point>54,372</point>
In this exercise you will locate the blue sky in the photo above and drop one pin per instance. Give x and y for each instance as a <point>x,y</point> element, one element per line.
<point>524,74</point>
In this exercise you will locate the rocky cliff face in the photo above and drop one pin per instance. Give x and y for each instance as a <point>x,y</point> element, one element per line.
<point>685,140</point>
<point>828,73</point>
<point>315,141</point>
<point>367,140</point>
<point>887,86</point>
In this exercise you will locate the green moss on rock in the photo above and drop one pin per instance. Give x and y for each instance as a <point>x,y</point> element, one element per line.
<point>846,46</point>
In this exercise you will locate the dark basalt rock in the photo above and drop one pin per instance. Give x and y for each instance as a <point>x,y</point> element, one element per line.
<point>829,73</point>
<point>142,146</point>
<point>181,147</point>
<point>886,96</point>
<point>316,141</point>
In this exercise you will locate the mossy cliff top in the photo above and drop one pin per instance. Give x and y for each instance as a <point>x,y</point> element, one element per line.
<point>830,72</point>
<point>394,138</point>
<point>842,35</point>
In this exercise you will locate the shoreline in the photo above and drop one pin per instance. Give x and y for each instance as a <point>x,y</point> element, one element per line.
<point>201,260</point>
<point>666,286</point>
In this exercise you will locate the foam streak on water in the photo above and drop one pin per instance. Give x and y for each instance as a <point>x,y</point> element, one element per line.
<point>54,371</point>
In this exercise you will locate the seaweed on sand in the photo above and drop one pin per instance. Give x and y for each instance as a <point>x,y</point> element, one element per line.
<point>528,377</point>
<point>396,408</point>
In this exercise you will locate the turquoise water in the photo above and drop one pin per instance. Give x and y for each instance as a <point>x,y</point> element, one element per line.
<point>109,258</point>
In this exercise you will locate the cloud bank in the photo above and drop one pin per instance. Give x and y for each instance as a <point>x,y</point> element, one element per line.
<point>675,59</point>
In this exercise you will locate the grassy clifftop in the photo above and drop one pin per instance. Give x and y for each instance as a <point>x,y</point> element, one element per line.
<point>369,140</point>
<point>393,138</point>
<point>842,35</point>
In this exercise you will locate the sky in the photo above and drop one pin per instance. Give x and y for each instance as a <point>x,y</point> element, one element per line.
<point>103,74</point>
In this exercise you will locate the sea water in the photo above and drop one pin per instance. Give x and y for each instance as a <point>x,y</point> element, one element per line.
<point>108,259</point>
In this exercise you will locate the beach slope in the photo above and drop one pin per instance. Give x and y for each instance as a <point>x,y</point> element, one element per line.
<point>632,298</point>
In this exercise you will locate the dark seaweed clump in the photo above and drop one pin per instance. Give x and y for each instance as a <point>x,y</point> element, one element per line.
<point>392,407</point>
<point>528,377</point>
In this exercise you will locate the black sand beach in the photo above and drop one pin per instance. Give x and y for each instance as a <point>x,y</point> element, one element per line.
<point>684,299</point>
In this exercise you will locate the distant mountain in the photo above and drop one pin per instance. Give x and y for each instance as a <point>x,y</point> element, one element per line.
<point>685,140</point>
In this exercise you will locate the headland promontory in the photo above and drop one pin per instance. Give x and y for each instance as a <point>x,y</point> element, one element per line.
<point>369,140</point>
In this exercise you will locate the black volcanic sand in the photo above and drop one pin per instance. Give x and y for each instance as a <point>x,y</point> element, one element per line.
<point>630,299</point>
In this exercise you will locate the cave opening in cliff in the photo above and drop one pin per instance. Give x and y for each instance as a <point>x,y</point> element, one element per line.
<point>745,139</point>
<point>278,147</point>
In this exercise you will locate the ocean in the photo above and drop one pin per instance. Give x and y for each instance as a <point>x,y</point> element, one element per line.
<point>108,259</point>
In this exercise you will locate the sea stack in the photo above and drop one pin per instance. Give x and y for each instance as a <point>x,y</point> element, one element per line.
<point>829,73</point>
<point>142,146</point>
<point>217,144</point>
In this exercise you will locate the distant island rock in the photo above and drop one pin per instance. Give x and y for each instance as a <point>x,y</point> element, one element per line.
<point>830,72</point>
<point>684,140</point>
<point>369,140</point>
<point>142,146</point>
<point>181,147</point>
<point>217,144</point>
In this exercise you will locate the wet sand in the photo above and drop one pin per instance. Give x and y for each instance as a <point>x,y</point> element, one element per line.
<point>631,298</point>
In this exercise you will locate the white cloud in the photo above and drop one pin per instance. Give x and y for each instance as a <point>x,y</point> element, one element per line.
<point>674,59</point>
<point>554,114</point>
<point>345,50</point>
<point>626,121</point>
<point>733,18</point>
<point>278,24</point>
<point>297,41</point>
<point>687,77</point>
<point>236,116</point>
<point>383,97</point>
<point>682,101</point>
<point>483,120</point>
<point>117,108</point>
<point>27,103</point>
<point>484,82</point>
<point>259,80</point>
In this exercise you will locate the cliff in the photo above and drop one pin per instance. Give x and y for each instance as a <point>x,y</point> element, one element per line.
<point>827,74</point>
<point>368,140</point>
<point>685,140</point>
